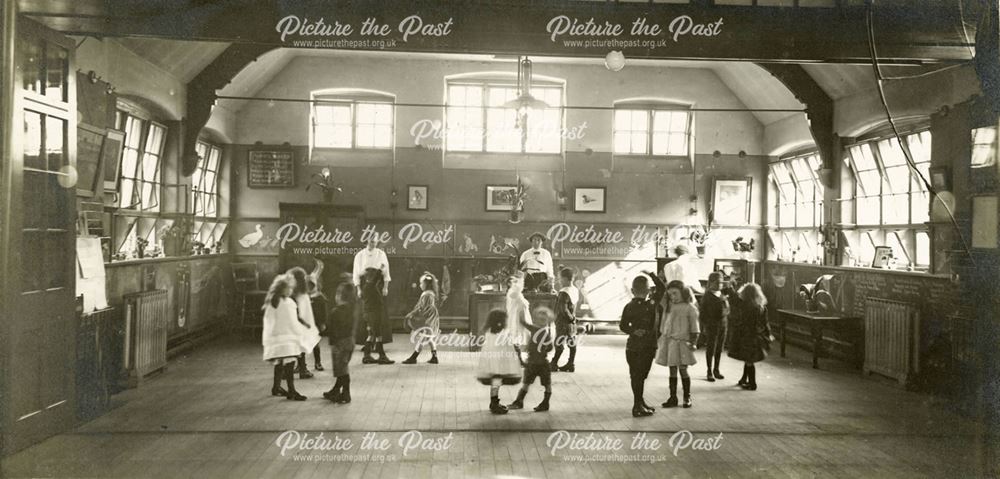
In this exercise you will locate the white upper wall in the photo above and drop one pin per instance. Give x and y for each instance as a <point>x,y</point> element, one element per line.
<point>423,81</point>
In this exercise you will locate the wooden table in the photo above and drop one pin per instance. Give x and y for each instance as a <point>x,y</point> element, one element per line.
<point>817,322</point>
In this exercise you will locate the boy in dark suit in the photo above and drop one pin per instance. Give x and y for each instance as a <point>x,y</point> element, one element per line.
<point>639,322</point>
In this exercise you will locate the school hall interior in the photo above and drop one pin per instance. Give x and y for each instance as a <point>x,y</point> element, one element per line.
<point>164,162</point>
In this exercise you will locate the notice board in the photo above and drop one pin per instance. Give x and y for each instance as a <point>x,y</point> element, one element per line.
<point>271,168</point>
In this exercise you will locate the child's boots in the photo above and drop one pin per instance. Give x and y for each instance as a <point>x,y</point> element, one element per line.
<point>544,405</point>
<point>496,407</point>
<point>686,383</point>
<point>672,400</point>
<point>519,402</point>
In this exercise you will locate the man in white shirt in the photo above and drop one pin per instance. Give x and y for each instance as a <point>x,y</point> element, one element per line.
<point>683,269</point>
<point>371,257</point>
<point>536,263</point>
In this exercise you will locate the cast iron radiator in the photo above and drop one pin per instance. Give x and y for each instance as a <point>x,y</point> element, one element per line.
<point>892,339</point>
<point>146,333</point>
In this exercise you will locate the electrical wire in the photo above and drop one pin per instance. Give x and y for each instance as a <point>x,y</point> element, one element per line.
<point>870,26</point>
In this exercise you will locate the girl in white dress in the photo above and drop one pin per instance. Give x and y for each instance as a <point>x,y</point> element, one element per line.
<point>282,335</point>
<point>498,361</point>
<point>303,302</point>
<point>517,310</point>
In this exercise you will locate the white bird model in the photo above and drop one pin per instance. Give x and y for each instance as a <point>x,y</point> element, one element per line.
<point>250,239</point>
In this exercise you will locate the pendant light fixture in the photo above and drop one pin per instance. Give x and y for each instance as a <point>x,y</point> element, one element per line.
<point>524,100</point>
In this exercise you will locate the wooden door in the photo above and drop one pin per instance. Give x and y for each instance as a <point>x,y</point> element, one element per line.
<point>40,241</point>
<point>335,257</point>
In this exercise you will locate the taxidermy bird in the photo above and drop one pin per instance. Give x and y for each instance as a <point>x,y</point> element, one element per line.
<point>250,240</point>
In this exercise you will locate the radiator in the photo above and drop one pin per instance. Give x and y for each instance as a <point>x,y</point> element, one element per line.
<point>892,339</point>
<point>146,333</point>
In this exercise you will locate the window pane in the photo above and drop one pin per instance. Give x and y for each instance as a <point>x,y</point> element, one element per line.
<point>920,207</point>
<point>501,133</point>
<point>781,173</point>
<point>920,146</point>
<point>56,66</point>
<point>870,182</point>
<point>801,167</point>
<point>984,147</point>
<point>868,210</point>
<point>33,141</point>
<point>804,213</point>
<point>786,215</point>
<point>891,153</point>
<point>863,157</point>
<point>899,253</point>
<point>898,178</point>
<point>365,136</point>
<point>544,131</point>
<point>213,159</point>
<point>896,209</point>
<point>923,253</point>
<point>127,194</point>
<point>55,140</point>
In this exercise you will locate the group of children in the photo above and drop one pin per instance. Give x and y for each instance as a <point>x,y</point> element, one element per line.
<point>662,322</point>
<point>296,315</point>
<point>506,332</point>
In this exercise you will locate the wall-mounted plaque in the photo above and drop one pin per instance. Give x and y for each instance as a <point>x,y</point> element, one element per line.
<point>271,168</point>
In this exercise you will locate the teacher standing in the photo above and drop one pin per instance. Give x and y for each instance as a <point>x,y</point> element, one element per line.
<point>371,275</point>
<point>536,262</point>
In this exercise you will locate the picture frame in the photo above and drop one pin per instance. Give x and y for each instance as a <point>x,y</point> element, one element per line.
<point>111,159</point>
<point>940,177</point>
<point>882,256</point>
<point>500,197</point>
<point>590,199</point>
<point>731,200</point>
<point>416,197</point>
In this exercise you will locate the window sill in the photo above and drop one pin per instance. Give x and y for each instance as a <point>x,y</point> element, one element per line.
<point>923,274</point>
<point>162,259</point>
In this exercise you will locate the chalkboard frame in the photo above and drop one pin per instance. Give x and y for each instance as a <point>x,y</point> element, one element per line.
<point>290,183</point>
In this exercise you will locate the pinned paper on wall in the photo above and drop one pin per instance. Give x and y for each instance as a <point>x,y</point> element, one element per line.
<point>90,273</point>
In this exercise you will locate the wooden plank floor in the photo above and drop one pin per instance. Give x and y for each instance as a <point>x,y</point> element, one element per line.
<point>210,415</point>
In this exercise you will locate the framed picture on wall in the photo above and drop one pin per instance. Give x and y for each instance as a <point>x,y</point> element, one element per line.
<point>883,254</point>
<point>500,197</point>
<point>416,197</point>
<point>271,168</point>
<point>590,199</point>
<point>731,201</point>
<point>111,158</point>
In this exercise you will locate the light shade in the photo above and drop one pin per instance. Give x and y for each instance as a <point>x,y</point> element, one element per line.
<point>614,60</point>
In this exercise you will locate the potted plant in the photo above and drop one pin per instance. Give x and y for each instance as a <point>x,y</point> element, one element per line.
<point>324,181</point>
<point>140,247</point>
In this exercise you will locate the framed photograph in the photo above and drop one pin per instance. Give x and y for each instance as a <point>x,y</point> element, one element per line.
<point>416,197</point>
<point>731,201</point>
<point>940,176</point>
<point>883,254</point>
<point>500,197</point>
<point>111,158</point>
<point>590,199</point>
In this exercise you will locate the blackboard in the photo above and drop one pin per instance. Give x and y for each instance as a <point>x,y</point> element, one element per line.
<point>271,168</point>
<point>88,158</point>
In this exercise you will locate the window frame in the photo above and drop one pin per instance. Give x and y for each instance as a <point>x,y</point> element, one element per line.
<point>123,115</point>
<point>914,186</point>
<point>651,108</point>
<point>485,85</point>
<point>199,174</point>
<point>792,234</point>
<point>352,100</point>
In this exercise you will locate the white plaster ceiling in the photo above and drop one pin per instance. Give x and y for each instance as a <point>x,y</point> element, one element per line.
<point>182,59</point>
